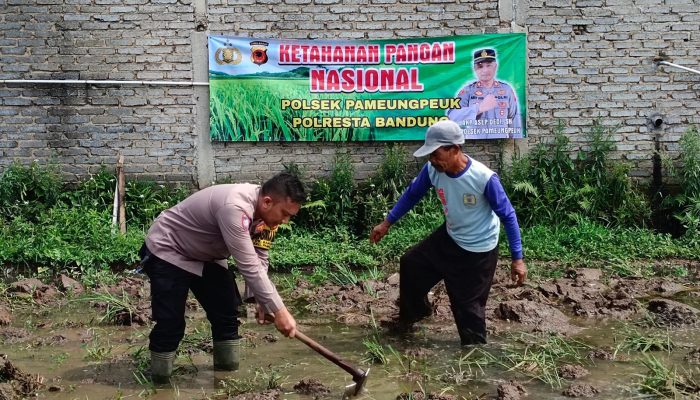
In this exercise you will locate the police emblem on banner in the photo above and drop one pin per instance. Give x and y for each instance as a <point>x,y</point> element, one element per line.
<point>228,55</point>
<point>258,52</point>
<point>469,199</point>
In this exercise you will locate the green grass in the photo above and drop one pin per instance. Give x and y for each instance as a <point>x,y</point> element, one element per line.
<point>669,383</point>
<point>469,366</point>
<point>539,356</point>
<point>116,308</point>
<point>375,353</point>
<point>592,241</point>
<point>636,341</point>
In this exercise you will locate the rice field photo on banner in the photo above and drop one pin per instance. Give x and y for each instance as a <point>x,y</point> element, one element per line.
<point>374,90</point>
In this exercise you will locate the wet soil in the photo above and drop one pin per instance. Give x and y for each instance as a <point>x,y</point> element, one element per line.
<point>580,390</point>
<point>15,384</point>
<point>55,329</point>
<point>418,395</point>
<point>512,390</point>
<point>270,394</point>
<point>311,387</point>
<point>693,357</point>
<point>569,371</point>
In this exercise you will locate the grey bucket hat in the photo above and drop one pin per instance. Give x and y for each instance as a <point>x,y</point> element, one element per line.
<point>441,133</point>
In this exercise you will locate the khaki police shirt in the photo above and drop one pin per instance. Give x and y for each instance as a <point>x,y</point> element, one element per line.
<point>213,224</point>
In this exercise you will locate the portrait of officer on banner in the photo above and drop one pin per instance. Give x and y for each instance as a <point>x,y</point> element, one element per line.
<point>488,107</point>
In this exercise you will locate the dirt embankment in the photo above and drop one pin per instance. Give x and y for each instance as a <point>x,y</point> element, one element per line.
<point>16,384</point>
<point>546,306</point>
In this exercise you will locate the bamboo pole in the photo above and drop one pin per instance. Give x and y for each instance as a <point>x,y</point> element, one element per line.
<point>121,183</point>
<point>115,206</point>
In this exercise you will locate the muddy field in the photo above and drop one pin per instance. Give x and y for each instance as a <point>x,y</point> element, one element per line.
<point>582,335</point>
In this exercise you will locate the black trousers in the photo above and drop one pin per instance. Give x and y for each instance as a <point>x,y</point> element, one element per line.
<point>468,277</point>
<point>215,290</point>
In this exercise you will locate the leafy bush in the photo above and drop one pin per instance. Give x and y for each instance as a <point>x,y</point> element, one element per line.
<point>375,197</point>
<point>685,205</point>
<point>339,201</point>
<point>333,197</point>
<point>68,238</point>
<point>27,191</point>
<point>322,249</point>
<point>327,248</point>
<point>45,224</point>
<point>589,240</point>
<point>144,200</point>
<point>548,186</point>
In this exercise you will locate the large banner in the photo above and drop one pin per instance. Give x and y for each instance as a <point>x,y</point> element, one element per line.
<point>311,90</point>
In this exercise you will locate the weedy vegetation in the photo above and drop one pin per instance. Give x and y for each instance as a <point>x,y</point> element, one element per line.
<point>534,355</point>
<point>668,382</point>
<point>117,309</point>
<point>635,341</point>
<point>375,352</point>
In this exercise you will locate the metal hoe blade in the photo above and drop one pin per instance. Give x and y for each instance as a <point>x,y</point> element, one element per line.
<point>357,386</point>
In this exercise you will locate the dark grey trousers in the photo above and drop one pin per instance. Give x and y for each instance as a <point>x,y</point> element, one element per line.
<point>215,290</point>
<point>468,277</point>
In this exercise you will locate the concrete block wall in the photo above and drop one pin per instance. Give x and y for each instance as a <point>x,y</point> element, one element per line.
<point>599,59</point>
<point>84,126</point>
<point>588,59</point>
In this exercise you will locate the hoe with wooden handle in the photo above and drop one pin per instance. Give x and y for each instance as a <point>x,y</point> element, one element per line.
<point>359,376</point>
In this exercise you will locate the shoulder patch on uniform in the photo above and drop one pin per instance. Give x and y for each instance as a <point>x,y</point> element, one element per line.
<point>263,235</point>
<point>245,222</point>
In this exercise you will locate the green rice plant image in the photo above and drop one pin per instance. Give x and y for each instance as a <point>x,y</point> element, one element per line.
<point>251,110</point>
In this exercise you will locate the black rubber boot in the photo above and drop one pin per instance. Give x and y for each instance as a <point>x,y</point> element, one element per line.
<point>227,355</point>
<point>162,366</point>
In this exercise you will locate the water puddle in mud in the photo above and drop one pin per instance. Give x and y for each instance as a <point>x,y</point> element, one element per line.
<point>81,359</point>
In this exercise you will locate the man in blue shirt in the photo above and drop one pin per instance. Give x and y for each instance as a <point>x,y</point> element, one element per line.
<point>464,250</point>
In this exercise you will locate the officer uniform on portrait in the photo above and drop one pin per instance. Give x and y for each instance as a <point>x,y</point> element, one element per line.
<point>488,107</point>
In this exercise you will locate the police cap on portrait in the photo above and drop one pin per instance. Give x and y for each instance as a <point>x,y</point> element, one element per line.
<point>484,55</point>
